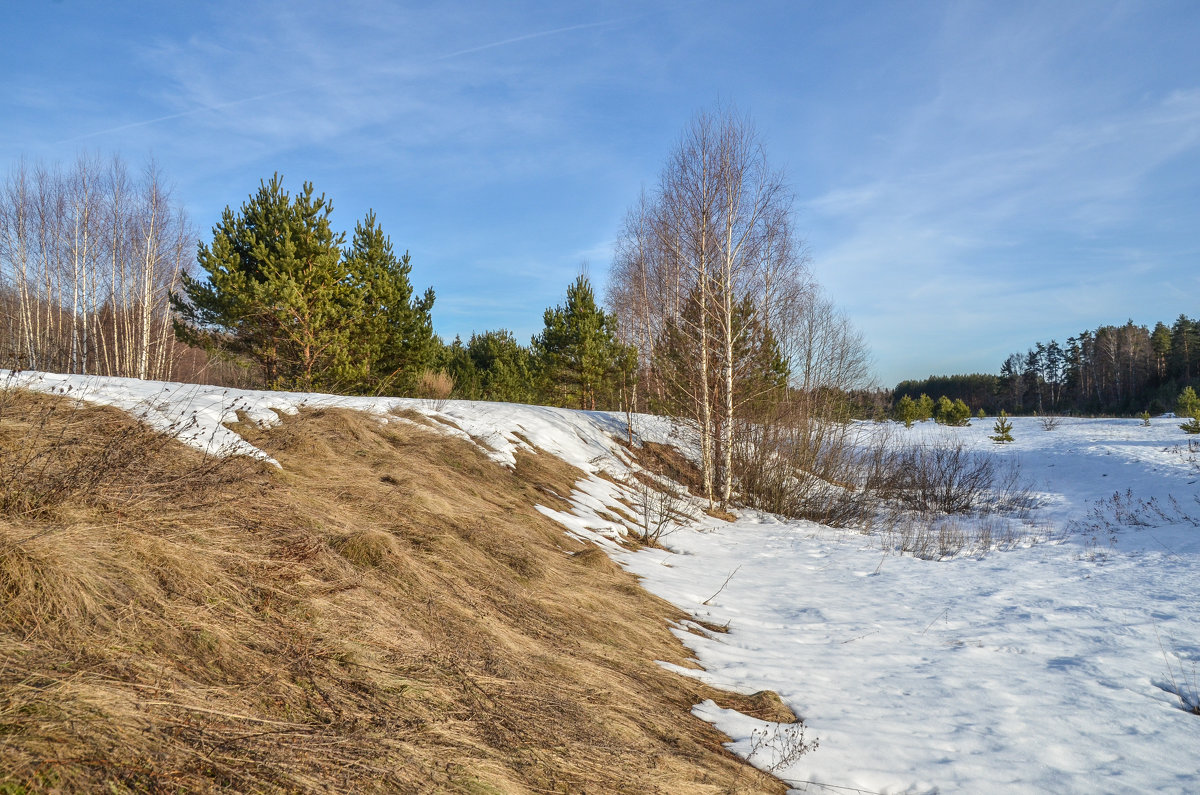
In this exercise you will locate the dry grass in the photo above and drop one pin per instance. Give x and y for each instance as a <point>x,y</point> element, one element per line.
<point>435,388</point>
<point>386,614</point>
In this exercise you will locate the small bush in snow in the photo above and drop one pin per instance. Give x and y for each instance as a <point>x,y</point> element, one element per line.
<point>906,411</point>
<point>954,413</point>
<point>660,510</point>
<point>1188,404</point>
<point>1049,422</point>
<point>1002,430</point>
<point>778,746</point>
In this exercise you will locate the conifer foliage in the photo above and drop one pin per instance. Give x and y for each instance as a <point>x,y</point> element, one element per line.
<point>394,341</point>
<point>491,366</point>
<point>955,413</point>
<point>281,292</point>
<point>1188,404</point>
<point>1002,430</point>
<point>906,411</point>
<point>580,360</point>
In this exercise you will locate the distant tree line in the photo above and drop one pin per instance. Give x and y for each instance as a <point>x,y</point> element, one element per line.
<point>1123,369</point>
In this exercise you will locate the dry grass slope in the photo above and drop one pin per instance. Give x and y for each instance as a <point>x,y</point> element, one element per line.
<point>388,613</point>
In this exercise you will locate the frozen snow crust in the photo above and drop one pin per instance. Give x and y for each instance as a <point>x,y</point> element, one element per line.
<point>1046,668</point>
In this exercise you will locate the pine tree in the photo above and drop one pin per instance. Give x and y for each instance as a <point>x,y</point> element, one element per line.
<point>1002,429</point>
<point>1185,348</point>
<point>1188,404</point>
<point>276,291</point>
<point>395,333</point>
<point>944,407</point>
<point>906,411</point>
<point>925,408</point>
<point>577,353</point>
<point>954,413</point>
<point>1160,343</point>
<point>490,366</point>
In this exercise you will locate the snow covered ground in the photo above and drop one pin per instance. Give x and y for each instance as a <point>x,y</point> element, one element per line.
<point>1050,667</point>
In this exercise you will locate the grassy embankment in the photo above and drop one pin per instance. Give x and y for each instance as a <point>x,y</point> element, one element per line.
<point>388,612</point>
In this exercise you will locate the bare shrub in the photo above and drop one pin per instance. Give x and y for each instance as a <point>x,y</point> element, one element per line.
<point>1111,514</point>
<point>941,477</point>
<point>791,463</point>
<point>778,746</point>
<point>51,452</point>
<point>660,509</point>
<point>1049,422</point>
<point>1189,453</point>
<point>435,388</point>
<point>1184,684</point>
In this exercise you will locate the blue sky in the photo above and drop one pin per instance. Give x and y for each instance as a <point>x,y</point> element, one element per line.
<point>969,177</point>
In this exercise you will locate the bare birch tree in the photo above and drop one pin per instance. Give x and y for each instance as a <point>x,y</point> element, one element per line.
<point>87,261</point>
<point>711,285</point>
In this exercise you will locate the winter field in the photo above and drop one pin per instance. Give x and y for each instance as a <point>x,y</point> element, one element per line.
<point>1058,662</point>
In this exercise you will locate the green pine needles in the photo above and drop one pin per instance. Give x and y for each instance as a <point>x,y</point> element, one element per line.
<point>280,291</point>
<point>581,363</point>
<point>1002,430</point>
<point>954,413</point>
<point>1188,405</point>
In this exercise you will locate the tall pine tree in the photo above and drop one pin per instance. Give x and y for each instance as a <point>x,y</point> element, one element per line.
<point>579,358</point>
<point>395,331</point>
<point>276,291</point>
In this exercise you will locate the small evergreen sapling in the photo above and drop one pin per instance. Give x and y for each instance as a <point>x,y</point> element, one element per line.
<point>925,408</point>
<point>906,411</point>
<point>1002,429</point>
<point>1188,404</point>
<point>1145,418</point>
<point>956,413</point>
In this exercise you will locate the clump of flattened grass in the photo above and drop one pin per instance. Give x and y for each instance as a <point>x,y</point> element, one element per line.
<point>368,548</point>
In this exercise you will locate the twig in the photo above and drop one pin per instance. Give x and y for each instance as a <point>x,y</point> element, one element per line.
<point>722,588</point>
<point>939,617</point>
<point>228,715</point>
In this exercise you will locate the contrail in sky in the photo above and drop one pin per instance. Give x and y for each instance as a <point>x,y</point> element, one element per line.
<point>529,36</point>
<point>223,105</point>
<point>192,112</point>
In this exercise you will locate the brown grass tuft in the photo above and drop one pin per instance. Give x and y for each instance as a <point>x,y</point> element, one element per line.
<point>369,548</point>
<point>388,613</point>
<point>435,388</point>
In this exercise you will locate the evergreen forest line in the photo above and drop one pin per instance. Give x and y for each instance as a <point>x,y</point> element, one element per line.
<point>1112,370</point>
<point>283,294</point>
